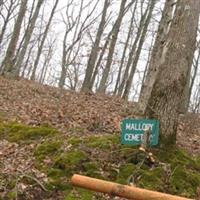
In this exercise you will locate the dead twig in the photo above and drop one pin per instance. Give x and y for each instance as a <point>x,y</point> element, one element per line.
<point>35,179</point>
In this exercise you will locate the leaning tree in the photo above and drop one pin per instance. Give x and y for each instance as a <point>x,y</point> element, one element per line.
<point>168,92</point>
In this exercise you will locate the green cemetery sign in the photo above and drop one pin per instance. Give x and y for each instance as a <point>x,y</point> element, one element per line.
<point>133,131</point>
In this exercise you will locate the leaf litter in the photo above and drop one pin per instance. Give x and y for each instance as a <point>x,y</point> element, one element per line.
<point>72,113</point>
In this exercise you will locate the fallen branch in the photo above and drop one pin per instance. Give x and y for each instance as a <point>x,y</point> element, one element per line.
<point>115,189</point>
<point>36,180</point>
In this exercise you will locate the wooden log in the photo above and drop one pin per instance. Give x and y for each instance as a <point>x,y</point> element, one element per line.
<point>125,191</point>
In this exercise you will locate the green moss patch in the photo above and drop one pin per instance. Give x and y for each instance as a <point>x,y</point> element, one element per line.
<point>80,194</point>
<point>70,162</point>
<point>65,165</point>
<point>15,132</point>
<point>151,179</point>
<point>185,182</point>
<point>77,129</point>
<point>92,169</point>
<point>102,142</point>
<point>102,156</point>
<point>125,172</point>
<point>122,167</point>
<point>175,156</point>
<point>75,141</point>
<point>48,148</point>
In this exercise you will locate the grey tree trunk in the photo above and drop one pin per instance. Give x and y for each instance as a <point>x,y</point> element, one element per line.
<point>27,60</point>
<point>87,86</point>
<point>131,53</point>
<point>102,86</point>
<point>192,78</point>
<point>24,32</point>
<point>10,9</point>
<point>158,52</point>
<point>45,65</point>
<point>100,58</point>
<point>130,33</point>
<point>28,35</point>
<point>139,49</point>
<point>8,63</point>
<point>78,27</point>
<point>43,40</point>
<point>148,61</point>
<point>168,89</point>
<point>64,55</point>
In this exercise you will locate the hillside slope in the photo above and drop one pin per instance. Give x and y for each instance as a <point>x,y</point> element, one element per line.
<point>43,145</point>
<point>34,104</point>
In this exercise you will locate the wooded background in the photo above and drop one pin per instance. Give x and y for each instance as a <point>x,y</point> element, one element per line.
<point>112,47</point>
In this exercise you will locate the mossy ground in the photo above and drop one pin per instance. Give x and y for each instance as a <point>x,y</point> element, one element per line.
<point>16,132</point>
<point>102,156</point>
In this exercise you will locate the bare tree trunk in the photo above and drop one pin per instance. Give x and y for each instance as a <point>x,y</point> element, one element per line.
<point>8,62</point>
<point>131,53</point>
<point>158,52</point>
<point>10,9</point>
<point>168,89</point>
<point>28,35</point>
<point>100,58</point>
<point>43,40</point>
<point>148,61</point>
<point>193,77</point>
<point>1,3</point>
<point>87,86</point>
<point>45,65</point>
<point>27,60</point>
<point>139,49</point>
<point>196,100</point>
<point>115,32</point>
<point>47,59</point>
<point>63,64</point>
<point>130,32</point>
<point>77,36</point>
<point>25,32</point>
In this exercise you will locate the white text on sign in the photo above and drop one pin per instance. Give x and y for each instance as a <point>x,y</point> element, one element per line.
<point>135,137</point>
<point>139,127</point>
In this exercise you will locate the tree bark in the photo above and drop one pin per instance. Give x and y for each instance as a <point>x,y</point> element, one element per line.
<point>27,60</point>
<point>64,55</point>
<point>158,52</point>
<point>130,33</point>
<point>193,77</point>
<point>24,32</point>
<point>100,58</point>
<point>148,61</point>
<point>8,63</point>
<point>29,31</point>
<point>139,49</point>
<point>10,9</point>
<point>78,27</point>
<point>45,64</point>
<point>87,86</point>
<point>43,40</point>
<point>168,89</point>
<point>131,53</point>
<point>102,86</point>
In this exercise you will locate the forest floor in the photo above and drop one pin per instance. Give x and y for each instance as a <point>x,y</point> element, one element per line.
<point>46,137</point>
